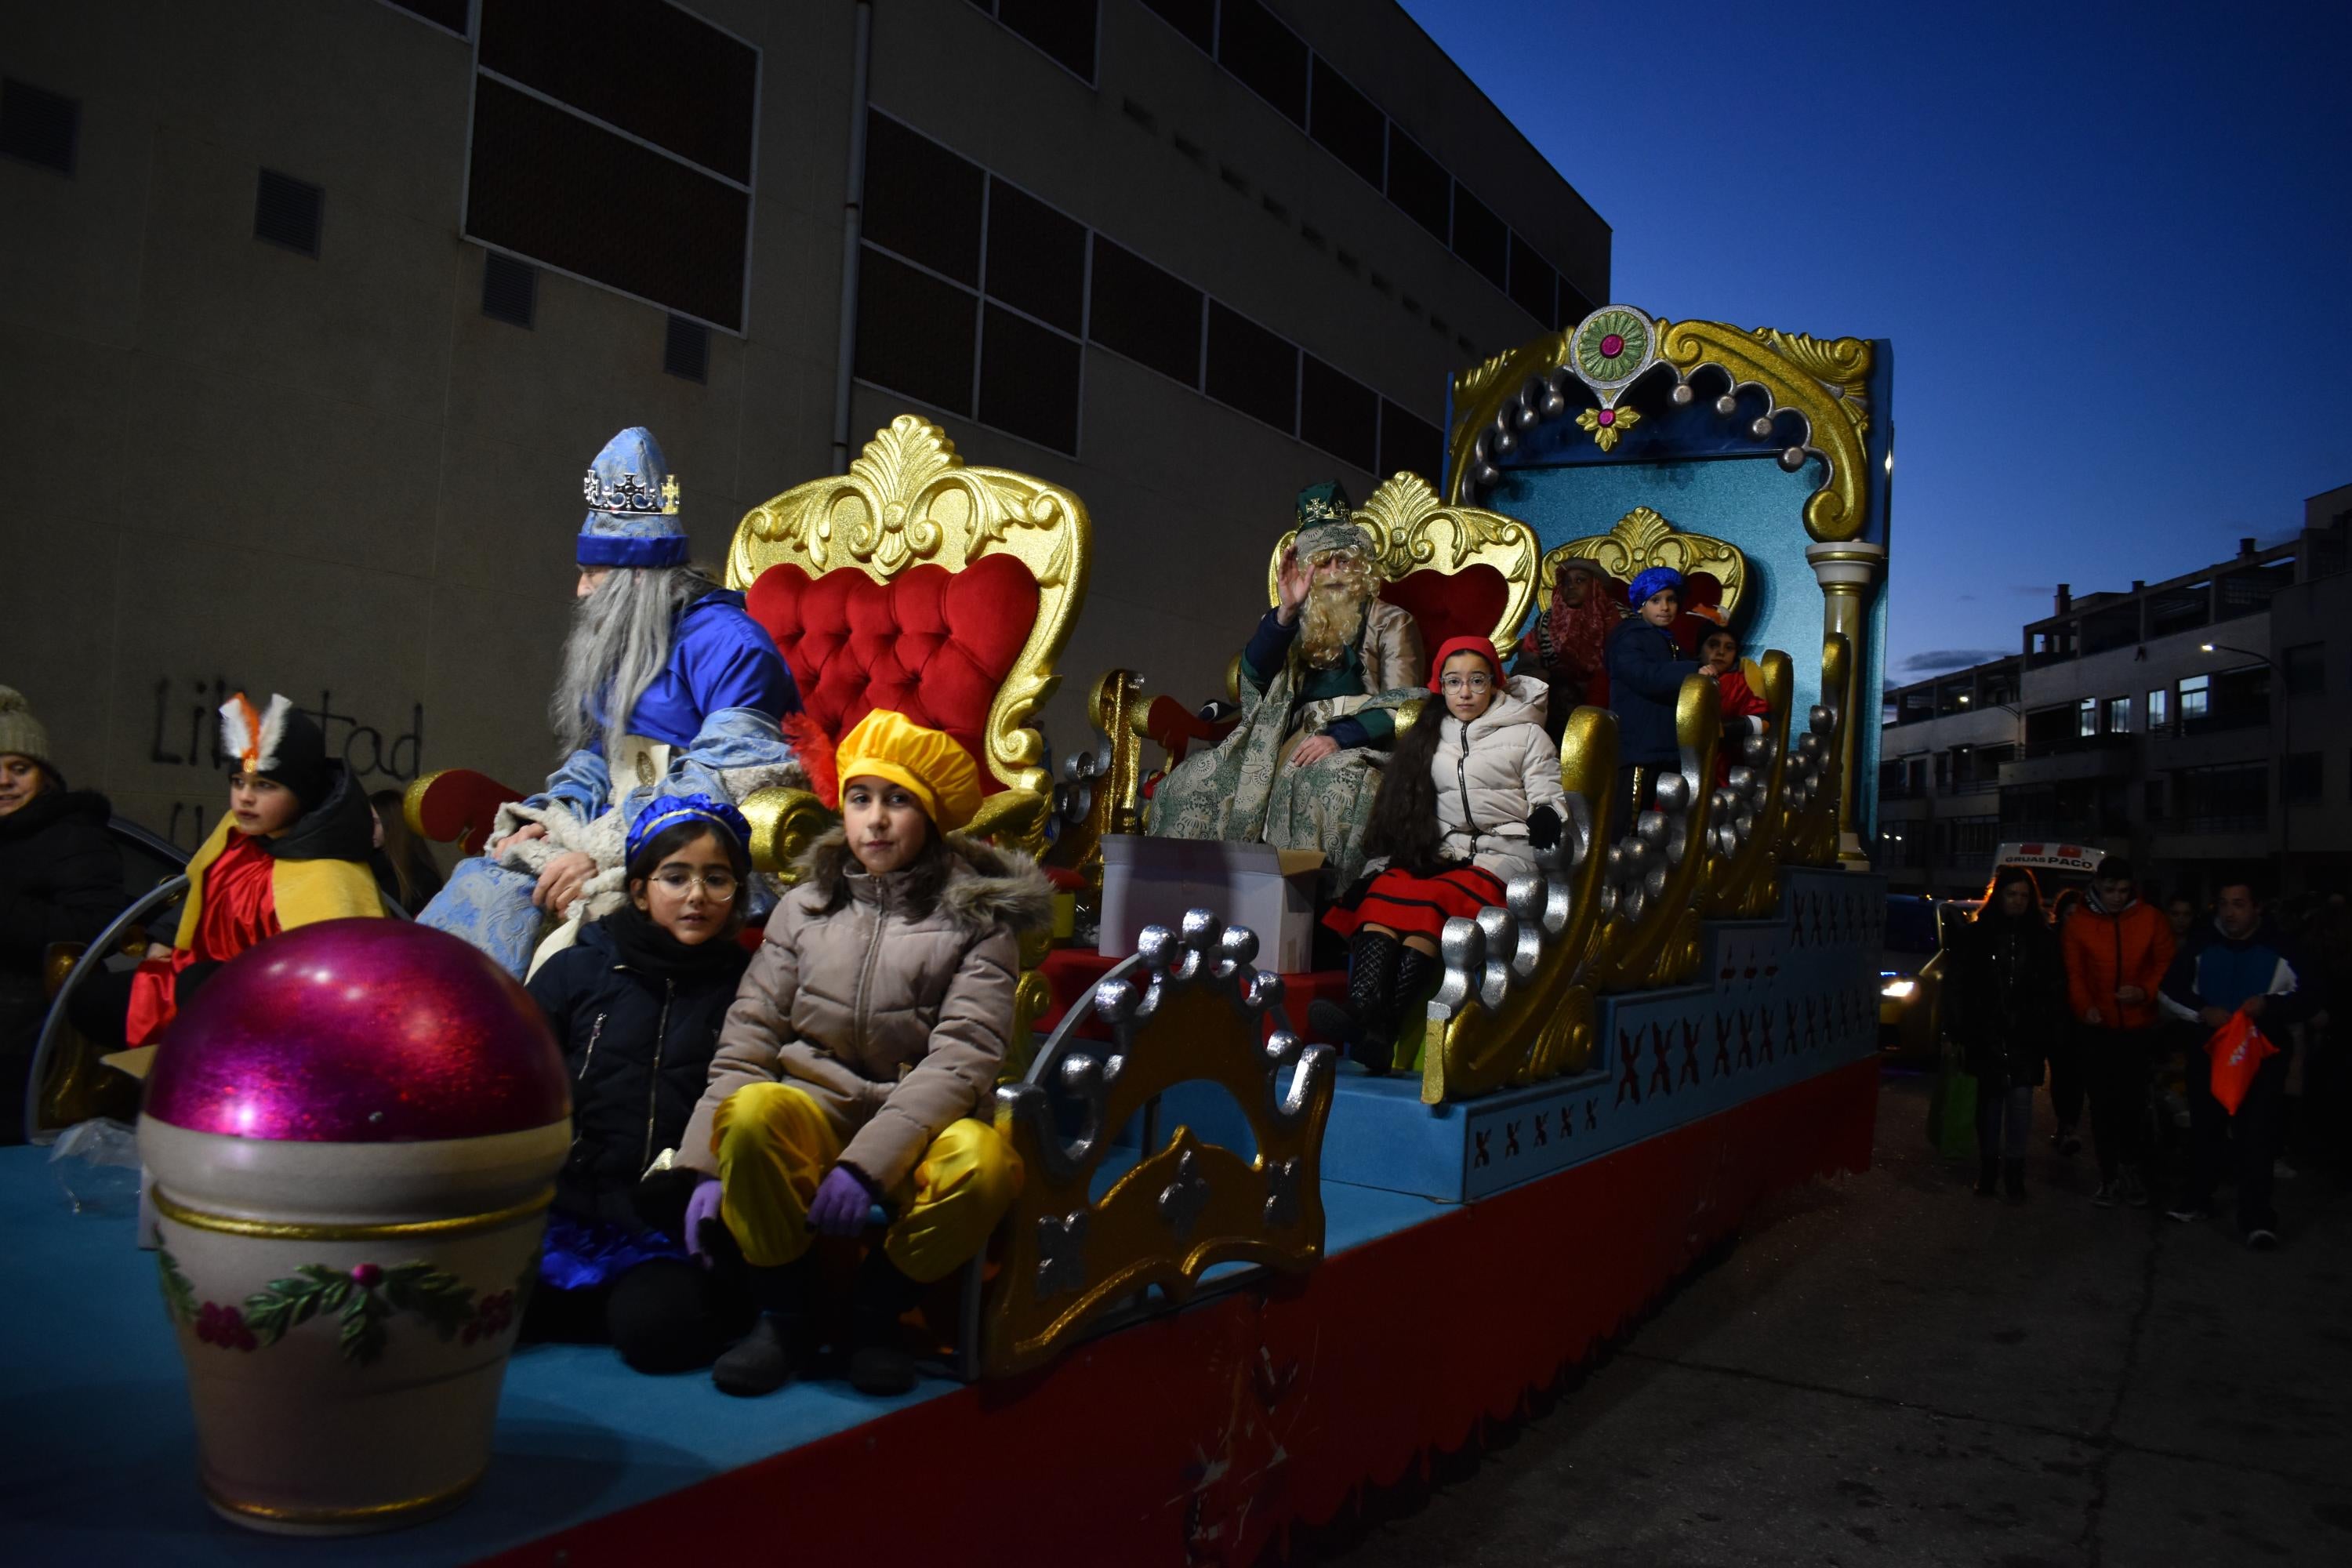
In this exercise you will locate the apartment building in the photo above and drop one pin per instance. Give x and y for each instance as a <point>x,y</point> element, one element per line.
<point>2196,724</point>
<point>316,309</point>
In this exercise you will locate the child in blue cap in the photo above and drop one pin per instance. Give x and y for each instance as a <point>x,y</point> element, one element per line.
<point>1646,671</point>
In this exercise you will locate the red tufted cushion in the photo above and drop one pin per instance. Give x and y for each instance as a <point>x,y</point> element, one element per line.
<point>931,644</point>
<point>1464,604</point>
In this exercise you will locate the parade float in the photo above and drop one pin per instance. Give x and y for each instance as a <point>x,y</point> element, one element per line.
<point>1242,1283</point>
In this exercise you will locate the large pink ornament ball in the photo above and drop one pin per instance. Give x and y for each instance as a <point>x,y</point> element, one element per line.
<point>360,1031</point>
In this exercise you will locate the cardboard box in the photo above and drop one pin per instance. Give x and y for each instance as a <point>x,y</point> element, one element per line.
<point>1154,882</point>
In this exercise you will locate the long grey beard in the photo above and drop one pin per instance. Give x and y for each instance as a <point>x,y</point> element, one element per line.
<point>617,645</point>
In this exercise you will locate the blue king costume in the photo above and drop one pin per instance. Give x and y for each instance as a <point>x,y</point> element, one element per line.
<point>706,725</point>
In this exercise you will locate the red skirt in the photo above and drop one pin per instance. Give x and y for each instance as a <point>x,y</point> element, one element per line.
<point>1417,906</point>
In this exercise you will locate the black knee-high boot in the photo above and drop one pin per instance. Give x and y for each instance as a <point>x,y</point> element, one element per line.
<point>1417,974</point>
<point>763,1360</point>
<point>1367,1024</point>
<point>878,1362</point>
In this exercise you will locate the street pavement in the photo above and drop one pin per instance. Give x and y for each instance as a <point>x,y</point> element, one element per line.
<point>1885,1369</point>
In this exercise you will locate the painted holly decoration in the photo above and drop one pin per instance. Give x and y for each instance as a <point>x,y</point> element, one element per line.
<point>1613,345</point>
<point>366,1298</point>
<point>1607,425</point>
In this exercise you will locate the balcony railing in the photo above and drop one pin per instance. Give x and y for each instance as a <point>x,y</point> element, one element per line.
<point>2243,822</point>
<point>2066,745</point>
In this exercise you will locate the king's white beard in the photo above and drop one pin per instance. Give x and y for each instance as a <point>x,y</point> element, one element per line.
<point>617,645</point>
<point>1328,621</point>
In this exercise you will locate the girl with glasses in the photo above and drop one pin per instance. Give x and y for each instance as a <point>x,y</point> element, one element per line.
<point>1471,796</point>
<point>636,1005</point>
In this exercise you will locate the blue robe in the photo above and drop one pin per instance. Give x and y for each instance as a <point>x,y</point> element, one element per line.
<point>716,703</point>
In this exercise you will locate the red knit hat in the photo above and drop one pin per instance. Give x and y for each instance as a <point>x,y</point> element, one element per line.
<point>1453,646</point>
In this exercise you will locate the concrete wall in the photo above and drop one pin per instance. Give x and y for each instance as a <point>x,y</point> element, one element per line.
<point>336,477</point>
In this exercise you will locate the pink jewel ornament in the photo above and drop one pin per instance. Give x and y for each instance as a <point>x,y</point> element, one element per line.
<point>1611,346</point>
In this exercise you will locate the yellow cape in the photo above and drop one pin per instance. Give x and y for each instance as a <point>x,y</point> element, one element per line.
<point>303,891</point>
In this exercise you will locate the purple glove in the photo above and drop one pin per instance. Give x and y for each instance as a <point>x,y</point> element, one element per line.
<point>702,1206</point>
<point>841,1204</point>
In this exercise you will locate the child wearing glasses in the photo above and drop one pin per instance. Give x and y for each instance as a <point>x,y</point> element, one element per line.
<point>636,1005</point>
<point>1470,795</point>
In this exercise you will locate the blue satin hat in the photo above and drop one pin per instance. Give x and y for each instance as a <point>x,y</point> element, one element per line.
<point>632,496</point>
<point>668,812</point>
<point>1656,580</point>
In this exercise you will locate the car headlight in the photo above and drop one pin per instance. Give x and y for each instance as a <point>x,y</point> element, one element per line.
<point>1899,989</point>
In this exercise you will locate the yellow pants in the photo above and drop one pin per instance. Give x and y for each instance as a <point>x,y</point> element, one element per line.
<point>775,1143</point>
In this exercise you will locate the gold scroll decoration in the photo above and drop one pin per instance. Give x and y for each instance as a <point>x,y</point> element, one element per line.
<point>1809,837</point>
<point>911,499</point>
<point>1186,1010</point>
<point>1641,540</point>
<point>1543,1027</point>
<point>1413,531</point>
<point>1822,379</point>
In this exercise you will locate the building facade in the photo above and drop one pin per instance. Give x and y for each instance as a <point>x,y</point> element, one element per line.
<point>2197,724</point>
<point>315,310</point>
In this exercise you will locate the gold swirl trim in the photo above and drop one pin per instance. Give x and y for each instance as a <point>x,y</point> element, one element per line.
<point>358,1513</point>
<point>389,1230</point>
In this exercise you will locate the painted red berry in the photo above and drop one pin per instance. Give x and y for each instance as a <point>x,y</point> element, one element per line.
<point>367,1276</point>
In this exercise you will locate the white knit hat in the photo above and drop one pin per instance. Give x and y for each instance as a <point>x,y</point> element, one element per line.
<point>21,733</point>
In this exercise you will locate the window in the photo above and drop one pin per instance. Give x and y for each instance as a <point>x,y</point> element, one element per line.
<point>287,212</point>
<point>1345,121</point>
<point>1532,280</point>
<point>1480,238</point>
<point>41,128</point>
<point>1409,445</point>
<point>915,332</point>
<point>1339,414</point>
<point>2152,800</point>
<point>1420,185</point>
<point>1269,59</point>
<point>2307,670</point>
<point>2160,709</point>
<point>1253,370</point>
<point>922,202</point>
<point>2196,697</point>
<point>1036,259</point>
<point>2119,715</point>
<point>1029,379</point>
<point>1196,19</point>
<point>1943,769</point>
<point>448,14</point>
<point>1145,313</point>
<point>636,178</point>
<point>686,350</point>
<point>2301,778</point>
<point>509,289</point>
<point>2087,716</point>
<point>1064,29</point>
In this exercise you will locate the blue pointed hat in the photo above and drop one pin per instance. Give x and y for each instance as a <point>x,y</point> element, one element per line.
<point>632,496</point>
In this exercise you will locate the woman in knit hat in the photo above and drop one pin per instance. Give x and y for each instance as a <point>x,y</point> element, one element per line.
<point>291,849</point>
<point>859,1065</point>
<point>60,881</point>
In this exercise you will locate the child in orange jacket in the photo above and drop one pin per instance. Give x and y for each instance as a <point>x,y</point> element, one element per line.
<point>2117,949</point>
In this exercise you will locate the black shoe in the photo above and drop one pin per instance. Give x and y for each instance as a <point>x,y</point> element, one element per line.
<point>1371,1036</point>
<point>2262,1238</point>
<point>884,1371</point>
<point>1330,1021</point>
<point>2013,1181</point>
<point>2110,1194</point>
<point>878,1362</point>
<point>1988,1177</point>
<point>2066,1143</point>
<point>762,1361</point>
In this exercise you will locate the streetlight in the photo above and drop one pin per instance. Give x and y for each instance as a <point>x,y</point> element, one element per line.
<point>2286,738</point>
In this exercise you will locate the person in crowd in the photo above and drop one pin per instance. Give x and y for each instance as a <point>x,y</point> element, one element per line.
<point>2181,914</point>
<point>858,1064</point>
<point>2007,1002</point>
<point>2066,1093</point>
<point>1567,649</point>
<point>1321,679</point>
<point>291,850</point>
<point>2237,965</point>
<point>2117,949</point>
<point>1468,799</point>
<point>1646,671</point>
<point>636,1005</point>
<point>60,881</point>
<point>403,862</point>
<point>1744,712</point>
<point>668,689</point>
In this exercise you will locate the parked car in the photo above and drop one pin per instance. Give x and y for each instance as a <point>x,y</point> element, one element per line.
<point>1911,970</point>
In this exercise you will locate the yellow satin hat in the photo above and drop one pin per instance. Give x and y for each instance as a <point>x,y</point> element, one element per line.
<point>932,766</point>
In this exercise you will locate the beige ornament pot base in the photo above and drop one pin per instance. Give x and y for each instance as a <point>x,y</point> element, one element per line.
<point>345,1312</point>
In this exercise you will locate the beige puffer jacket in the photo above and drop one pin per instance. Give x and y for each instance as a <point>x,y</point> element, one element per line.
<point>889,1000</point>
<point>1491,773</point>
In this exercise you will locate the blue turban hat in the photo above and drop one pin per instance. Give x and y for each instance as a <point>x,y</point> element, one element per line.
<point>1656,580</point>
<point>669,810</point>
<point>632,498</point>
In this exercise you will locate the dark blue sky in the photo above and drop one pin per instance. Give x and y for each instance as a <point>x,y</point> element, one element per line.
<point>2112,246</point>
